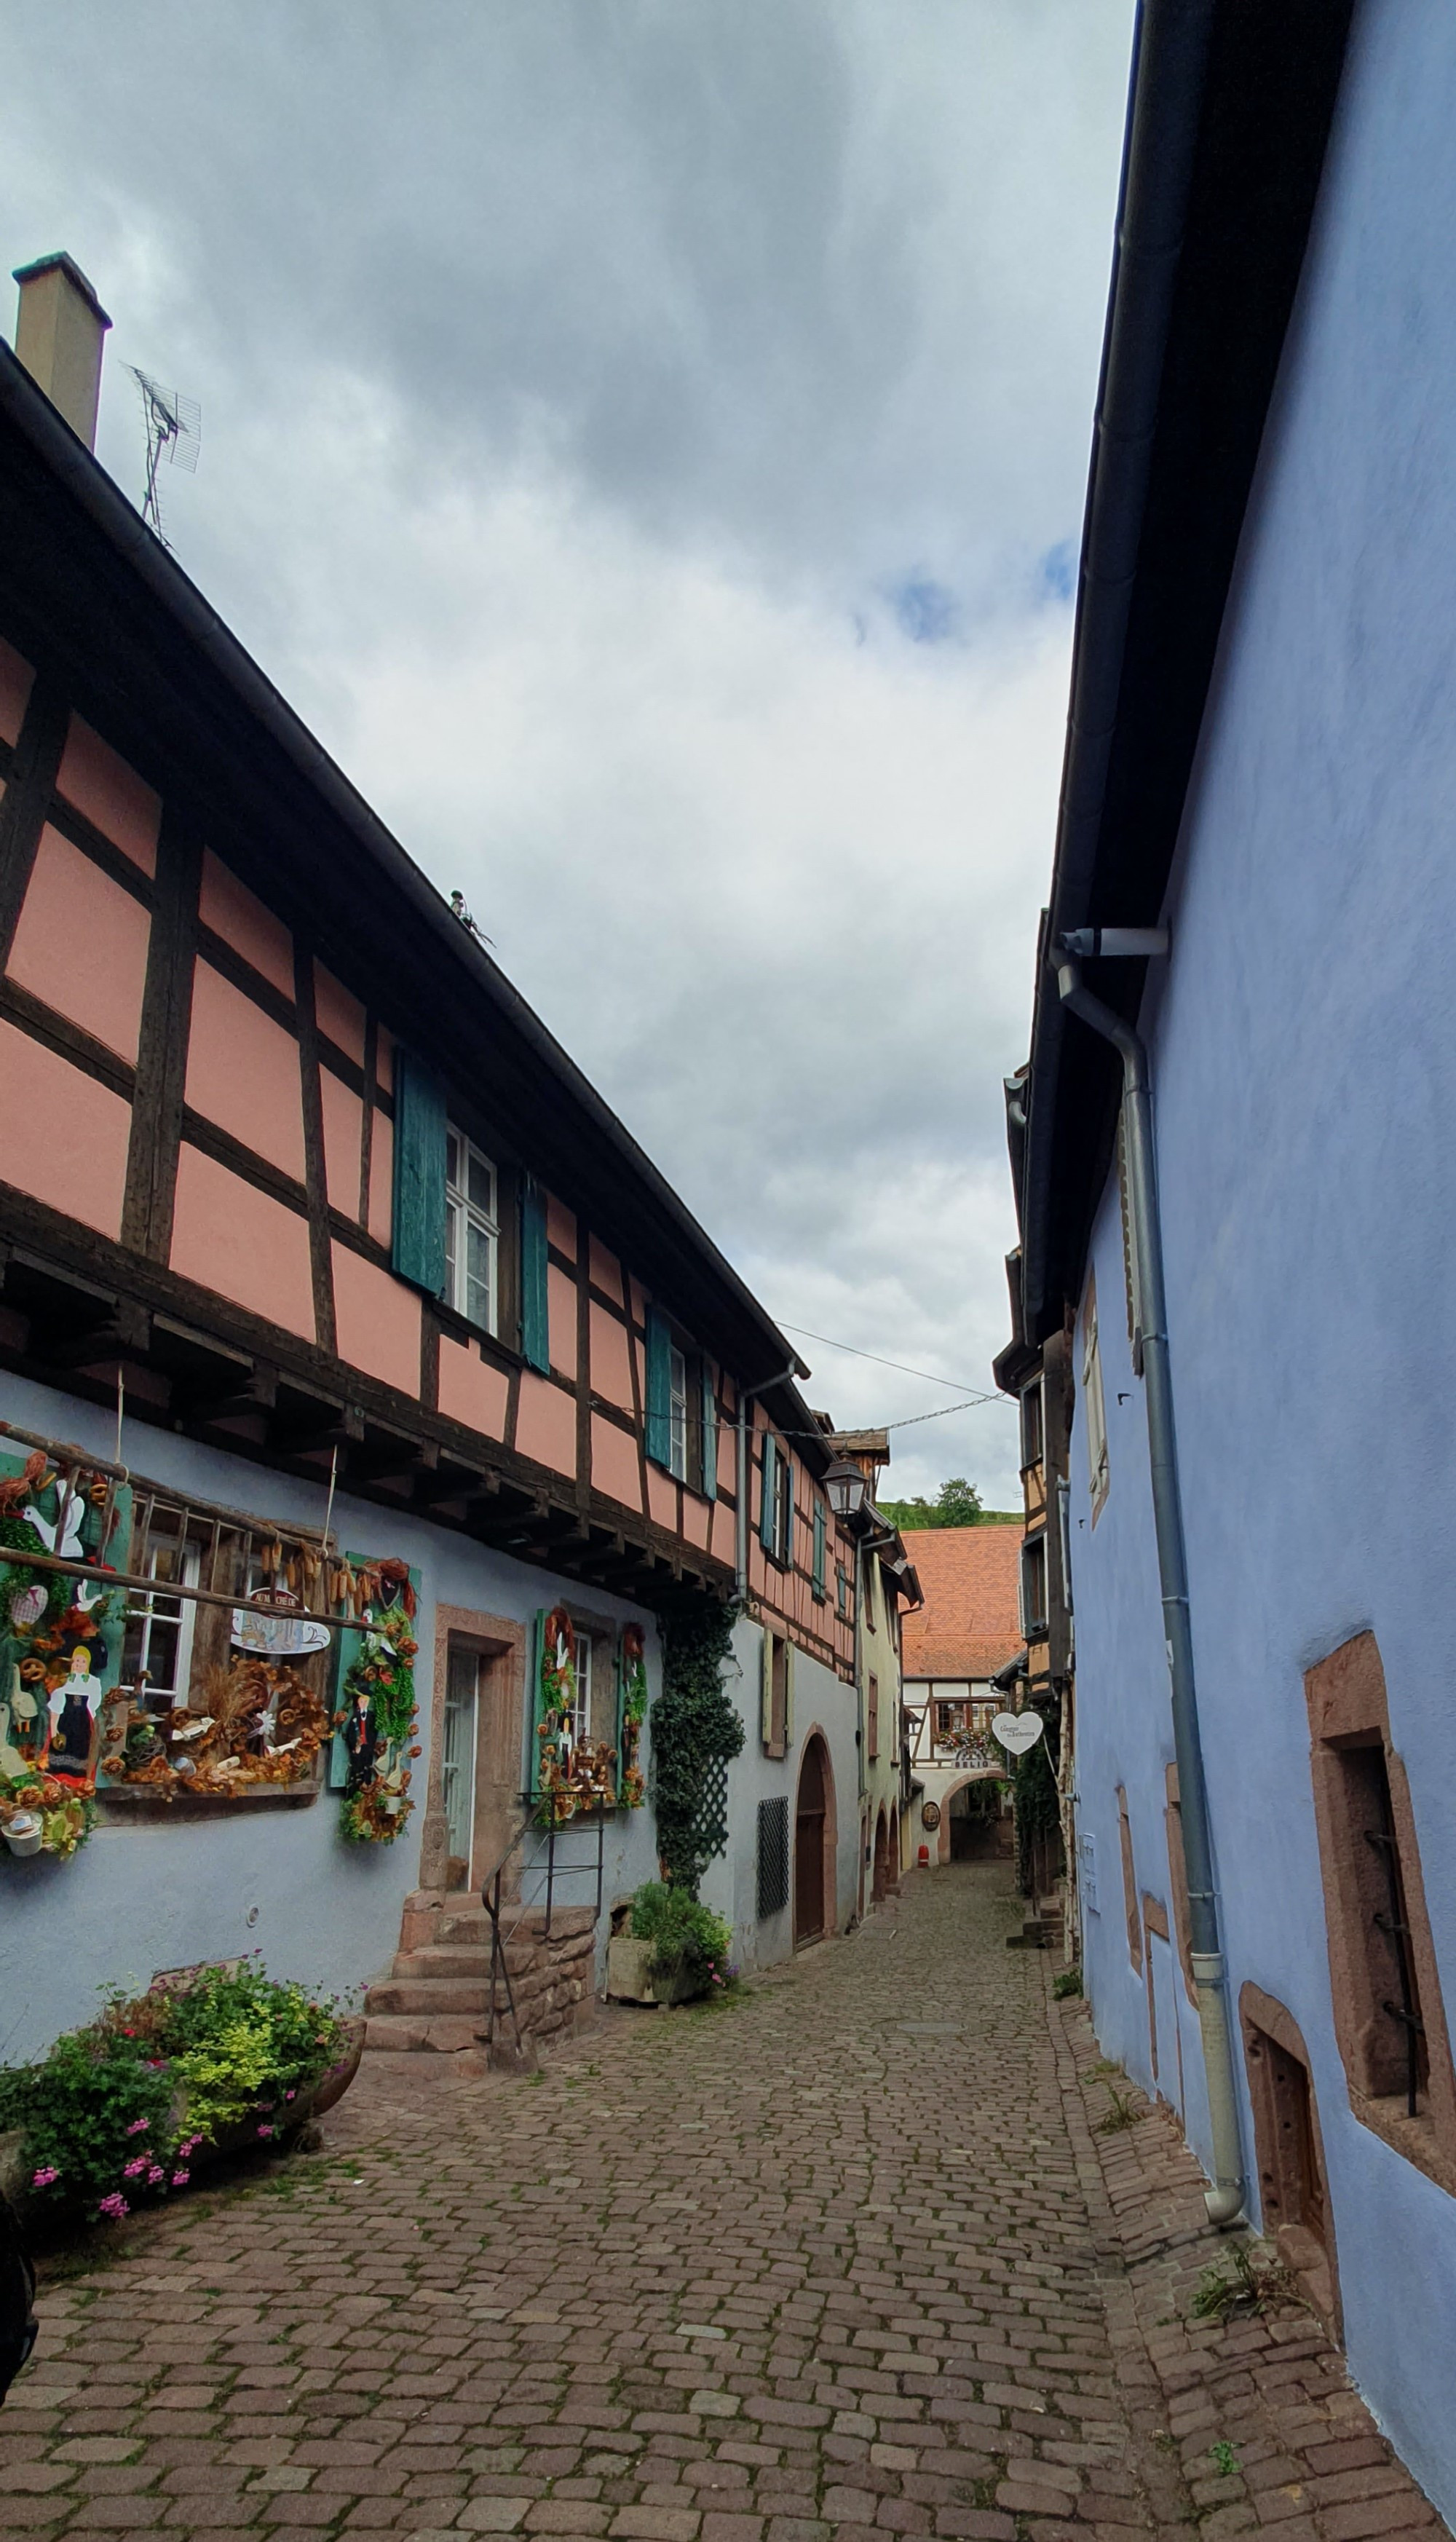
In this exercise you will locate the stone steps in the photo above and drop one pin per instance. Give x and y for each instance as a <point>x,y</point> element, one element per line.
<point>436,1995</point>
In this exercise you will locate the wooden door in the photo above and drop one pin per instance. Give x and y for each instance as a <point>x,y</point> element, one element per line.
<point>809,1847</point>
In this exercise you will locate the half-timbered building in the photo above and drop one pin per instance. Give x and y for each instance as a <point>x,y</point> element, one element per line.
<point>357,1302</point>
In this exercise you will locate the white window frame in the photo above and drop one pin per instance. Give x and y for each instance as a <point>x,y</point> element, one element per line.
<point>461,1214</point>
<point>458,1773</point>
<point>677,1413</point>
<point>159,1608</point>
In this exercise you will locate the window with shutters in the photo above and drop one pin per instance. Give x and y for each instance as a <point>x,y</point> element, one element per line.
<point>868,1592</point>
<point>682,1407</point>
<point>842,1591</point>
<point>677,1413</point>
<point>821,1544</point>
<point>1031,1426</point>
<point>471,1231</point>
<point>872,1718</point>
<point>773,1858</point>
<point>1094,1408</point>
<point>1034,1588</point>
<point>784,1510</point>
<point>777,1661</point>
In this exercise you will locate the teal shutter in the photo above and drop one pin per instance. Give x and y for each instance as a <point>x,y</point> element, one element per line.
<point>768,1489</point>
<point>819,1548</point>
<point>709,1436</point>
<point>536,1340</point>
<point>419,1176</point>
<point>659,1389</point>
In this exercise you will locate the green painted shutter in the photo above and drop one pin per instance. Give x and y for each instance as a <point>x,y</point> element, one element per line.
<point>788,1695</point>
<point>419,1176</point>
<point>767,1488</point>
<point>709,1436</point>
<point>536,1340</point>
<point>820,1538</point>
<point>659,1389</point>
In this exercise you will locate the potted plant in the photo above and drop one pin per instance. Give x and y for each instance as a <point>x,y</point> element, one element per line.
<point>674,1948</point>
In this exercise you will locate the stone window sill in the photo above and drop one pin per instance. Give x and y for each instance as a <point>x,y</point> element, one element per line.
<point>1414,2138</point>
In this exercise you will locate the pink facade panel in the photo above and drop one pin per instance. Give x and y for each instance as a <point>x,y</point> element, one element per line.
<point>243,1071</point>
<point>727,1455</point>
<point>662,1498</point>
<point>15,677</point>
<point>234,914</point>
<point>546,1424</point>
<point>614,1466</point>
<point>378,1322</point>
<point>65,1136</point>
<point>70,903</point>
<point>339,1014</point>
<point>561,1320</point>
<point>723,1545</point>
<point>612,1375</point>
<point>381,1181</point>
<point>696,1519</point>
<point>93,781</point>
<point>343,1136</point>
<point>560,1226</point>
<point>470,1389</point>
<point>605,1271</point>
<point>233,1238</point>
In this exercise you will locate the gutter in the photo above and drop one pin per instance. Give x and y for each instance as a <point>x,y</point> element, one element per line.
<point>1225,2200</point>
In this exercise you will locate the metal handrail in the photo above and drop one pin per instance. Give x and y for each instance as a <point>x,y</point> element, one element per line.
<point>490,1900</point>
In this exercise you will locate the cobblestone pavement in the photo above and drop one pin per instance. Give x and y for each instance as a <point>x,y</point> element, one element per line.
<point>846,2254</point>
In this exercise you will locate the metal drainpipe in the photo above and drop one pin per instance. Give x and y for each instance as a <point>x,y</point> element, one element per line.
<point>1225,2200</point>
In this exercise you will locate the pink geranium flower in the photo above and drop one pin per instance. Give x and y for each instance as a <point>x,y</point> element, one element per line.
<point>179,2179</point>
<point>266,2131</point>
<point>115,2207</point>
<point>45,2176</point>
<point>138,2126</point>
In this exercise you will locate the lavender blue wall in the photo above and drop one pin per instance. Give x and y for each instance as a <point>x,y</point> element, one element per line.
<point>1304,1067</point>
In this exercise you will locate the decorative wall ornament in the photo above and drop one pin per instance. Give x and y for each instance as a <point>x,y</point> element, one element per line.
<point>631,1789</point>
<point>375,1718</point>
<point>58,1648</point>
<point>574,1773</point>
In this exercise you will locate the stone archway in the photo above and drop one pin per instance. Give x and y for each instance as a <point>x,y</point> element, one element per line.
<point>815,1844</point>
<point>947,1838</point>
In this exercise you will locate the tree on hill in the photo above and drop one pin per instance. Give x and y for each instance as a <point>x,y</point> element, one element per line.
<point>956,1503</point>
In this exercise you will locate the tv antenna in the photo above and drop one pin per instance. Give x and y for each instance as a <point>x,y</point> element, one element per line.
<point>174,432</point>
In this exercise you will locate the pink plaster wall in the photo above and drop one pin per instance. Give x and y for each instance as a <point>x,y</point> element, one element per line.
<point>243,1071</point>
<point>696,1519</point>
<point>662,1498</point>
<point>343,1135</point>
<point>561,1320</point>
<point>378,1322</point>
<point>16,678</point>
<point>472,1390</point>
<point>239,1242</point>
<point>727,1456</point>
<point>234,913</point>
<point>604,1270</point>
<point>546,1424</point>
<point>560,1226</point>
<point>96,782</point>
<point>723,1543</point>
<point>381,1181</point>
<point>65,1136</point>
<point>339,1016</point>
<point>612,1375</point>
<point>615,1467</point>
<point>71,905</point>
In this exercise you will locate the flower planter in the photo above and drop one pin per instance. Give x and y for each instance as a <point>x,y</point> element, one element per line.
<point>23,1833</point>
<point>629,1977</point>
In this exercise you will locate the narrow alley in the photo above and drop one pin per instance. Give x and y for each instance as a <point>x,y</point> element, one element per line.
<point>850,2250</point>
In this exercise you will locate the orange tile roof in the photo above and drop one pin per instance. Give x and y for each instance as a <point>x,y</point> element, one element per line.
<point>970,1624</point>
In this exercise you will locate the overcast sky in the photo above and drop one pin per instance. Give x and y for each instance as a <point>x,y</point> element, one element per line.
<point>647,440</point>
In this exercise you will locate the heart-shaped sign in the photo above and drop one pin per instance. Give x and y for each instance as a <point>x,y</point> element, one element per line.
<point>1017,1730</point>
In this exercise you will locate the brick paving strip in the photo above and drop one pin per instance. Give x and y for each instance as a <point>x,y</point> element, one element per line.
<point>845,2256</point>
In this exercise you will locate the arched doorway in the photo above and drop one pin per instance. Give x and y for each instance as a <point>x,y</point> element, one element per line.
<point>882,1859</point>
<point>814,1844</point>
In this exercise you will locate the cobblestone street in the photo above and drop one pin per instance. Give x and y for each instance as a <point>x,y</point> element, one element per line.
<point>847,2253</point>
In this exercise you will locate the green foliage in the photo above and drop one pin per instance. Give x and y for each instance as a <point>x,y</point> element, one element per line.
<point>1069,1981</point>
<point>695,1731</point>
<point>1218,2294</point>
<point>111,2115</point>
<point>1038,1807</point>
<point>1123,2113</point>
<point>956,1503</point>
<point>1225,2459</point>
<point>688,1940</point>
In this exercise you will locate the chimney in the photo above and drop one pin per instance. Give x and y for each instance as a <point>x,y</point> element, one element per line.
<point>58,331</point>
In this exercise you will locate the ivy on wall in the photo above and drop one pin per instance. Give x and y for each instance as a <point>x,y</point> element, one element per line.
<point>696,1735</point>
<point>1038,1809</point>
